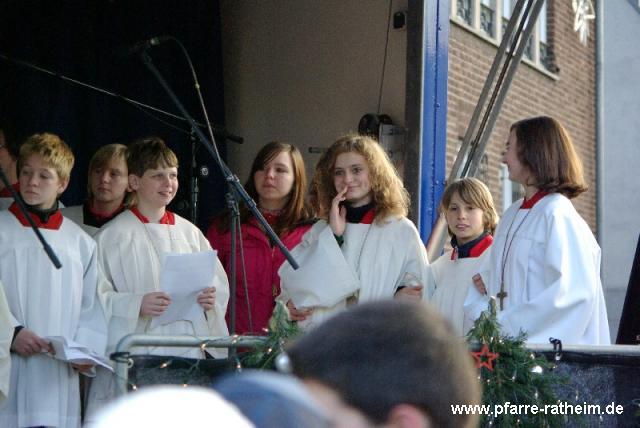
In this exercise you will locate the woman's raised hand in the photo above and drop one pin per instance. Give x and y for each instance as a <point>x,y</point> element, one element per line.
<point>338,213</point>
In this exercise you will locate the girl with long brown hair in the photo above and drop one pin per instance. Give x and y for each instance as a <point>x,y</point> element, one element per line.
<point>545,262</point>
<point>278,183</point>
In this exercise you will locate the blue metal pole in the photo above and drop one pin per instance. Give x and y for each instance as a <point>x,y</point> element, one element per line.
<point>433,140</point>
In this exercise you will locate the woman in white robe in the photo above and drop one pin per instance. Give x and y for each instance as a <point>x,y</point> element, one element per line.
<point>544,267</point>
<point>365,248</point>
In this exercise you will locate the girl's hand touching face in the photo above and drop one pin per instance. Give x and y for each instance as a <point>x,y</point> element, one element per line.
<point>338,213</point>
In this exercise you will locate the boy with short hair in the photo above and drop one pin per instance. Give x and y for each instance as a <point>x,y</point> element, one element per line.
<point>132,249</point>
<point>108,189</point>
<point>45,301</point>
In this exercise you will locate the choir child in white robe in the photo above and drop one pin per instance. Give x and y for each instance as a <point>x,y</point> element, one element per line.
<point>45,301</point>
<point>544,267</point>
<point>365,248</point>
<point>132,248</point>
<point>108,189</point>
<point>471,218</point>
<point>6,335</point>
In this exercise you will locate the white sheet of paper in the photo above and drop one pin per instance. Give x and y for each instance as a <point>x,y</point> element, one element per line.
<point>183,277</point>
<point>74,352</point>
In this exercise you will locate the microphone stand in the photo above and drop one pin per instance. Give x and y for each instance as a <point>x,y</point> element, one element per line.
<point>23,208</point>
<point>235,192</point>
<point>195,189</point>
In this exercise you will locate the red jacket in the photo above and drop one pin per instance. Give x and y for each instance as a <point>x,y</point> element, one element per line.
<point>261,263</point>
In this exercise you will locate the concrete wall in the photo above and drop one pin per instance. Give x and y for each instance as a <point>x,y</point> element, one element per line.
<point>305,71</point>
<point>621,151</point>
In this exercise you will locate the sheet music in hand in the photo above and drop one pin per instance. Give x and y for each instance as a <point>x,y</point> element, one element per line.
<point>72,352</point>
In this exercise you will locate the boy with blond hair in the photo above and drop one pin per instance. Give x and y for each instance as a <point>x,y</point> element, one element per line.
<point>44,301</point>
<point>132,250</point>
<point>108,189</point>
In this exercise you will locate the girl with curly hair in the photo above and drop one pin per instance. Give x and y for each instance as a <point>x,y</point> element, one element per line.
<point>364,248</point>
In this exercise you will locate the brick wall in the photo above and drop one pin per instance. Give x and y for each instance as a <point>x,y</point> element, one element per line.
<point>569,97</point>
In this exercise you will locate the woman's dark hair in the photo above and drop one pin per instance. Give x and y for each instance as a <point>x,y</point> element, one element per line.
<point>545,147</point>
<point>297,210</point>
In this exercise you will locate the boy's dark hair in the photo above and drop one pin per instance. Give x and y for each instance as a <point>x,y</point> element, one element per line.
<point>379,355</point>
<point>149,153</point>
<point>11,138</point>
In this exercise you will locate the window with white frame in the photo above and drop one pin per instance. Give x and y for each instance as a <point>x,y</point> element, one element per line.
<point>490,17</point>
<point>511,191</point>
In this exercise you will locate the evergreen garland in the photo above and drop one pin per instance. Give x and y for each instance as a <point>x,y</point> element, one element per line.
<point>515,376</point>
<point>281,330</point>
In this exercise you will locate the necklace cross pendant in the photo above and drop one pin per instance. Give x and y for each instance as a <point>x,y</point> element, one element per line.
<point>501,295</point>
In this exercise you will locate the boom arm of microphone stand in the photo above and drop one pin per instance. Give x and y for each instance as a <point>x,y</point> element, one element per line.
<point>218,131</point>
<point>229,176</point>
<point>16,197</point>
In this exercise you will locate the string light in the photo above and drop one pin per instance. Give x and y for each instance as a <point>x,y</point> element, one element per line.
<point>536,369</point>
<point>283,363</point>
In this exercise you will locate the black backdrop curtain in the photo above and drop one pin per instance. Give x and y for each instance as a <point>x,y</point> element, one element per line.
<point>84,40</point>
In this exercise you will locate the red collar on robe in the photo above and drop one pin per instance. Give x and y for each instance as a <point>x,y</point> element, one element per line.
<point>102,216</point>
<point>96,219</point>
<point>5,193</point>
<point>54,222</point>
<point>529,203</point>
<point>168,217</point>
<point>369,216</point>
<point>477,249</point>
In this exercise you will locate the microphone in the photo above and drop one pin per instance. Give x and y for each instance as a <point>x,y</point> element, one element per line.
<point>143,45</point>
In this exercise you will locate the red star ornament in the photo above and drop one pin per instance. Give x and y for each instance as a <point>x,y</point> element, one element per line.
<point>486,362</point>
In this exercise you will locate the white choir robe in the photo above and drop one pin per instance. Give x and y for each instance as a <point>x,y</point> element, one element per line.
<point>5,203</point>
<point>551,276</point>
<point>76,214</point>
<point>6,335</point>
<point>127,254</point>
<point>453,282</point>
<point>373,262</point>
<point>50,302</point>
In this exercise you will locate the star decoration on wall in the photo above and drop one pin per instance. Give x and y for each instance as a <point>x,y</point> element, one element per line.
<point>485,358</point>
<point>584,12</point>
